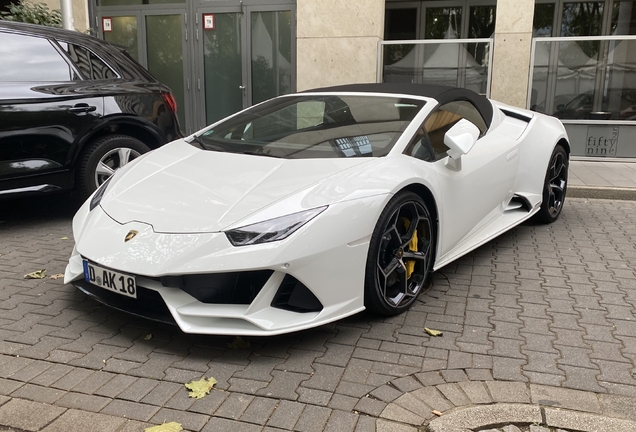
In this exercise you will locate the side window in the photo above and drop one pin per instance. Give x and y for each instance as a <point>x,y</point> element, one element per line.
<point>30,58</point>
<point>91,66</point>
<point>428,143</point>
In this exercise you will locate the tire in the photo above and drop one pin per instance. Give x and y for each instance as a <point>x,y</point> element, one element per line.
<point>102,157</point>
<point>554,187</point>
<point>392,280</point>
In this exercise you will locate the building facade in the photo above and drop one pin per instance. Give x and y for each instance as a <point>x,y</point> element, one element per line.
<point>575,59</point>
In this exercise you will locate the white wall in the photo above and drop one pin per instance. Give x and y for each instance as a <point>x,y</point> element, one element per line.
<point>337,41</point>
<point>511,55</point>
<point>80,12</point>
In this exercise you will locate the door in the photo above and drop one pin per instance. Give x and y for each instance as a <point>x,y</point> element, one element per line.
<point>221,80</point>
<point>471,196</point>
<point>157,38</point>
<point>245,55</point>
<point>123,30</point>
<point>166,55</point>
<point>474,196</point>
<point>216,59</point>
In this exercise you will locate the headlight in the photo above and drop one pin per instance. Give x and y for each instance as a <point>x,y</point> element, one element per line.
<point>97,197</point>
<point>273,229</point>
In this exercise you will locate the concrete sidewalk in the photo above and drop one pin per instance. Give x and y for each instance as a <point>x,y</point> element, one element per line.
<point>601,179</point>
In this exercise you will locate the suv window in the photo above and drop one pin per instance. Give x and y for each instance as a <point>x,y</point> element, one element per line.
<point>29,58</point>
<point>428,143</point>
<point>91,66</point>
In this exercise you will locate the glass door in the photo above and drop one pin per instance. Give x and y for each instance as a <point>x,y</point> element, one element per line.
<point>122,30</point>
<point>221,78</point>
<point>165,53</point>
<point>245,55</point>
<point>216,59</point>
<point>156,38</point>
<point>271,61</point>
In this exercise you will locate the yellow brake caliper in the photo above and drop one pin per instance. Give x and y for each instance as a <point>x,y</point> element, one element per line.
<point>410,264</point>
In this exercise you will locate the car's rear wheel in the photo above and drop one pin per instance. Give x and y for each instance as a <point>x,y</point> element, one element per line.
<point>102,157</point>
<point>400,255</point>
<point>555,186</point>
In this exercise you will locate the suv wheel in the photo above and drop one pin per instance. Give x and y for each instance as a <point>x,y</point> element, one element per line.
<point>102,157</point>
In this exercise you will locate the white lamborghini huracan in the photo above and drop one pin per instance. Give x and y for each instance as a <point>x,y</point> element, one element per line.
<point>310,207</point>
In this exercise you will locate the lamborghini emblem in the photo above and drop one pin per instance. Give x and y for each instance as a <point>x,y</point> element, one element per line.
<point>131,234</point>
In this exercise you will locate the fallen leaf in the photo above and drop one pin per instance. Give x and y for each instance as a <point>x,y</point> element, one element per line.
<point>64,238</point>
<point>166,427</point>
<point>437,413</point>
<point>40,274</point>
<point>434,333</point>
<point>238,343</point>
<point>57,276</point>
<point>200,388</point>
<point>148,336</point>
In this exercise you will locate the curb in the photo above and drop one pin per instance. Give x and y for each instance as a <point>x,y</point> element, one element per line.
<point>598,192</point>
<point>479,405</point>
<point>469,419</point>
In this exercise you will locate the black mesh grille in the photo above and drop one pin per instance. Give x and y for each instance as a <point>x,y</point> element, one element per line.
<point>220,288</point>
<point>296,297</point>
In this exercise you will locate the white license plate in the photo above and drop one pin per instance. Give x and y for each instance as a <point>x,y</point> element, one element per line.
<point>111,280</point>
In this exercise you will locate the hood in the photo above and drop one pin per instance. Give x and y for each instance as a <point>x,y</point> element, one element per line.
<point>181,189</point>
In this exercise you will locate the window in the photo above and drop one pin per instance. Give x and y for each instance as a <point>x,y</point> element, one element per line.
<point>543,21</point>
<point>584,18</point>
<point>584,79</point>
<point>443,23</point>
<point>428,143</point>
<point>27,58</point>
<point>91,66</point>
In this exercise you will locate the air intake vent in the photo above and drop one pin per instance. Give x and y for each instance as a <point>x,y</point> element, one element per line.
<point>296,297</point>
<point>221,288</point>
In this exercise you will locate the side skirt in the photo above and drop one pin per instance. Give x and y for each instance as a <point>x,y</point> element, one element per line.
<point>498,226</point>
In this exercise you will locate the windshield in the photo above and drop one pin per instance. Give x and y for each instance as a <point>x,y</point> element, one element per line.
<point>305,127</point>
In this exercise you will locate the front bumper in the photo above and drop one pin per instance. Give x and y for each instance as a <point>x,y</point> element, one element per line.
<point>327,257</point>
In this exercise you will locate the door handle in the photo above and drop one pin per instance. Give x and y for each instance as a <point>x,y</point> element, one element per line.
<point>82,108</point>
<point>242,87</point>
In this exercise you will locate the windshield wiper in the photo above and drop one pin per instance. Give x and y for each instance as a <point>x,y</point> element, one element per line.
<point>247,152</point>
<point>203,145</point>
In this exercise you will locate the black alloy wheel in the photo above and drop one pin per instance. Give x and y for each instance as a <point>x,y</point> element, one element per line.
<point>400,255</point>
<point>555,187</point>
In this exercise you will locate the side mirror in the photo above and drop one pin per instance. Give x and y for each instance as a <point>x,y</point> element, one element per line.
<point>460,139</point>
<point>560,107</point>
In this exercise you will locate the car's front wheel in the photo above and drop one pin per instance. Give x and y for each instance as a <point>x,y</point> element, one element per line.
<point>555,186</point>
<point>400,255</point>
<point>102,157</point>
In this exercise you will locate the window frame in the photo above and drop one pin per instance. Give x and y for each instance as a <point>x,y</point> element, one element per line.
<point>68,59</point>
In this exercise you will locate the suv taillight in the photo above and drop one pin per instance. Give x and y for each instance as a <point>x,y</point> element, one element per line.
<point>170,101</point>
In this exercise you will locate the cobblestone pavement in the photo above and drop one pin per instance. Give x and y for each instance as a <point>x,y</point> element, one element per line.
<point>549,306</point>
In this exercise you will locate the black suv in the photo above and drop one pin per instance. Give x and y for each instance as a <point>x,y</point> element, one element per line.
<point>73,109</point>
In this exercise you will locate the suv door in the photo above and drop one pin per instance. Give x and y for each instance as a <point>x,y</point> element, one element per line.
<point>44,106</point>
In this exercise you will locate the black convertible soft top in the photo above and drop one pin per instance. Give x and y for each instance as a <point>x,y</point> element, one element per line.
<point>443,94</point>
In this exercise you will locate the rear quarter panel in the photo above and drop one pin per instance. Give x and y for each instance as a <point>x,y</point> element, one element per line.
<point>535,148</point>
<point>536,144</point>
